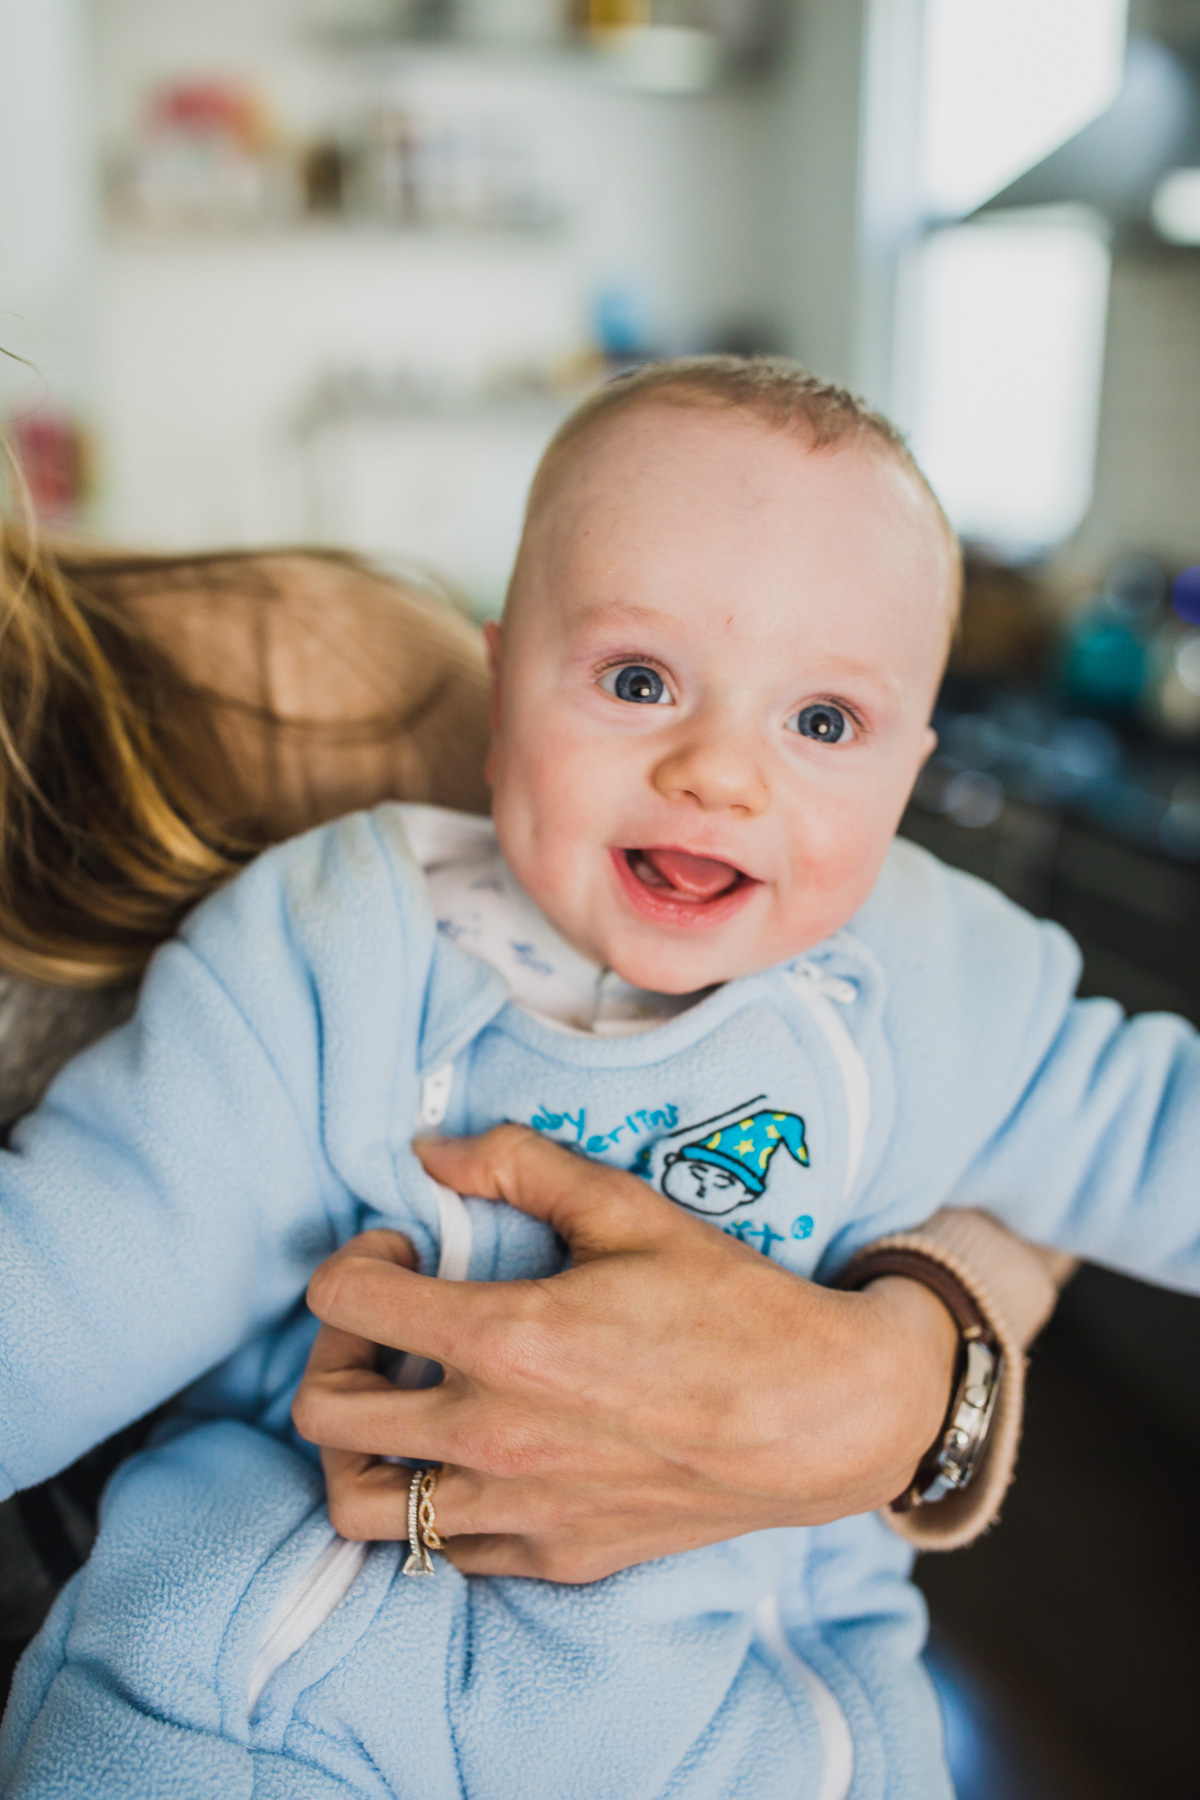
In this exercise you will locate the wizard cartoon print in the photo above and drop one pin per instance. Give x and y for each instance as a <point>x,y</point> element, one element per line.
<point>718,1165</point>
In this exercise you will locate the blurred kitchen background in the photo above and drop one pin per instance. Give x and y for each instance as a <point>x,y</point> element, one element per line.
<point>331,270</point>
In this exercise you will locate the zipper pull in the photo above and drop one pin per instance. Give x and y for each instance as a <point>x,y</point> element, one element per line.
<point>435,1096</point>
<point>834,987</point>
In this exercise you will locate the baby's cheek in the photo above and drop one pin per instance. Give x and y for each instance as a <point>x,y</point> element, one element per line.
<point>848,845</point>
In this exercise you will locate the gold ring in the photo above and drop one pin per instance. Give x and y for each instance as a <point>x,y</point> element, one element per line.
<point>425,1513</point>
<point>419,1561</point>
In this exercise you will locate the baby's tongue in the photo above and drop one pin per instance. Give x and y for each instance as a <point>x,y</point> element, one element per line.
<point>696,877</point>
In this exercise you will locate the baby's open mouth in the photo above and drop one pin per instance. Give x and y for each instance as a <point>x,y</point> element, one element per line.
<point>676,888</point>
<point>695,879</point>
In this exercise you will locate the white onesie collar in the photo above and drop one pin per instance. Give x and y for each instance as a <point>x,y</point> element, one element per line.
<point>480,905</point>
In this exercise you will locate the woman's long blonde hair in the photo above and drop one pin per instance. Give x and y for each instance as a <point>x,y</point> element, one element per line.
<point>129,790</point>
<point>103,833</point>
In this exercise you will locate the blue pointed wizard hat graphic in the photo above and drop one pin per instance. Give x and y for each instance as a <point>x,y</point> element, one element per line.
<point>746,1148</point>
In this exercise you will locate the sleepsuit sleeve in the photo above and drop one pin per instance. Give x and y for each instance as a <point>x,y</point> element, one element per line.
<point>1100,1155</point>
<point>1075,1126</point>
<point>173,1193</point>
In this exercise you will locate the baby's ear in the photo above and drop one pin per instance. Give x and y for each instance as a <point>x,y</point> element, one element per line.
<point>491,637</point>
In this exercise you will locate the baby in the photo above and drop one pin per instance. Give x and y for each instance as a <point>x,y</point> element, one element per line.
<point>689,947</point>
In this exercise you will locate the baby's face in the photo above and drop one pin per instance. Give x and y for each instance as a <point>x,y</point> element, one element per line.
<point>704,1187</point>
<point>714,682</point>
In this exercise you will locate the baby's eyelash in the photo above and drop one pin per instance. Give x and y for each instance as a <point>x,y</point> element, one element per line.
<point>629,656</point>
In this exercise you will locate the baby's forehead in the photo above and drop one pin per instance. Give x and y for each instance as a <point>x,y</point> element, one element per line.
<point>653,453</point>
<point>659,505</point>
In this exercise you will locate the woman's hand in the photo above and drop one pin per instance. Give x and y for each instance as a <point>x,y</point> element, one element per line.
<point>671,1388</point>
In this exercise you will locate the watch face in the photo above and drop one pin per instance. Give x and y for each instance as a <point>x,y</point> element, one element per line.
<point>954,1458</point>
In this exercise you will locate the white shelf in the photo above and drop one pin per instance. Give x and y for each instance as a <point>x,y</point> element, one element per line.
<point>669,60</point>
<point>322,233</point>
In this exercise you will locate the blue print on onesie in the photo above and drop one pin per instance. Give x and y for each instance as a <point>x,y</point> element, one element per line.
<point>714,1167</point>
<point>756,1164</point>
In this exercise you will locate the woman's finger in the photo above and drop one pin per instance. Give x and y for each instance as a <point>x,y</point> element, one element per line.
<point>367,1414</point>
<point>368,1501</point>
<point>341,1368</point>
<point>455,1323</point>
<point>594,1207</point>
<point>340,1353</point>
<point>489,1528</point>
<point>384,1245</point>
<point>391,1249</point>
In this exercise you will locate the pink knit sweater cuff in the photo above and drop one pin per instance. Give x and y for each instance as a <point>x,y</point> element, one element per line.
<point>1015,1285</point>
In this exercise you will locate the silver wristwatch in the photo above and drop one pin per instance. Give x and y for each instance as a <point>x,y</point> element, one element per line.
<point>957,1452</point>
<point>954,1458</point>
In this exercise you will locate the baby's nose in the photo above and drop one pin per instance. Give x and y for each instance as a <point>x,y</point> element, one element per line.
<point>715,772</point>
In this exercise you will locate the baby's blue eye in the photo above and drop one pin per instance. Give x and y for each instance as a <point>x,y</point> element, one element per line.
<point>637,683</point>
<point>822,721</point>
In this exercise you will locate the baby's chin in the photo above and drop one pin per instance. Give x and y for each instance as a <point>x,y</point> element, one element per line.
<point>658,961</point>
<point>664,967</point>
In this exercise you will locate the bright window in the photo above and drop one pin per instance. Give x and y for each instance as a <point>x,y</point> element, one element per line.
<point>1175,208</point>
<point>1008,319</point>
<point>1006,82</point>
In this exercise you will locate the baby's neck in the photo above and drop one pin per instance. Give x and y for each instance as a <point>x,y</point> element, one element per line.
<point>481,906</point>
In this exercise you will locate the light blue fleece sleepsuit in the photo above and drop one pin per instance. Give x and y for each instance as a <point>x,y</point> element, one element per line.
<point>162,1210</point>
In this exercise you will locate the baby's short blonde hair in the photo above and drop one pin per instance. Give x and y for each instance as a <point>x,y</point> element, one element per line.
<point>783,394</point>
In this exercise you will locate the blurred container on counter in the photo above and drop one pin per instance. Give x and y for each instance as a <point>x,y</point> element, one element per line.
<point>1103,663</point>
<point>678,46</point>
<point>1006,627</point>
<point>205,158</point>
<point>474,174</point>
<point>52,456</point>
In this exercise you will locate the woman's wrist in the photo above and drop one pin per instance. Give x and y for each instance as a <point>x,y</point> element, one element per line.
<point>922,1345</point>
<point>882,1361</point>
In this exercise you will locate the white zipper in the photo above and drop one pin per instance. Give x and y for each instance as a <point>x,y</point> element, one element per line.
<point>435,1096</point>
<point>818,992</point>
<point>454,1221</point>
<point>837,1745</point>
<point>322,1587</point>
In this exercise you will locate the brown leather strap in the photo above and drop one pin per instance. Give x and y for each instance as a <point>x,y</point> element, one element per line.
<point>958,1300</point>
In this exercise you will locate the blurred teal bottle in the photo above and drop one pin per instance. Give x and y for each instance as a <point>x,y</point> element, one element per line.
<point>1103,661</point>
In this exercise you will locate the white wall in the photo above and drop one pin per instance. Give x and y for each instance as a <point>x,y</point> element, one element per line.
<point>812,180</point>
<point>208,352</point>
<point>839,185</point>
<point>46,202</point>
<point>1147,492</point>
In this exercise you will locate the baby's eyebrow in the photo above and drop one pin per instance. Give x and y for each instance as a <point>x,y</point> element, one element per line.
<point>827,669</point>
<point>847,668</point>
<point>619,611</point>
